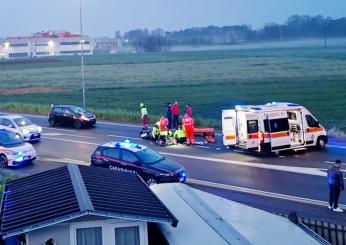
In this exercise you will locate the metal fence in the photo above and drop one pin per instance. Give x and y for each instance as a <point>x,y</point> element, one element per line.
<point>324,232</point>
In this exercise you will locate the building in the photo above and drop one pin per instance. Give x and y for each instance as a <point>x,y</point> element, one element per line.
<point>80,205</point>
<point>208,219</point>
<point>45,44</point>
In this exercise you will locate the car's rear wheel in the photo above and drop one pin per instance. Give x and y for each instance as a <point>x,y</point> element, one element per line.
<point>151,181</point>
<point>77,124</point>
<point>51,122</point>
<point>3,161</point>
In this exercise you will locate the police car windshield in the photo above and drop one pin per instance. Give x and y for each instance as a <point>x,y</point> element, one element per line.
<point>149,156</point>
<point>10,139</point>
<point>22,122</point>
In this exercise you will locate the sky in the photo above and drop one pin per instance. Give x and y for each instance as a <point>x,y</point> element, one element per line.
<point>104,17</point>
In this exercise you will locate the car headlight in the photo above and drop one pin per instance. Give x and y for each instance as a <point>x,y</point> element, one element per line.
<point>39,129</point>
<point>84,118</point>
<point>25,131</point>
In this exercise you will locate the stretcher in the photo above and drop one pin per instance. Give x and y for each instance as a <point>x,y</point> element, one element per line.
<point>207,133</point>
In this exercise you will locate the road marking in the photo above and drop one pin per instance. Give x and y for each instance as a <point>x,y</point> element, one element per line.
<point>336,146</point>
<point>72,141</point>
<point>52,134</point>
<point>63,160</point>
<point>60,129</point>
<point>125,137</point>
<point>299,170</point>
<point>261,193</point>
<point>202,146</point>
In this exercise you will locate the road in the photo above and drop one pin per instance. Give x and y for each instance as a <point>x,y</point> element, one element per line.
<point>275,183</point>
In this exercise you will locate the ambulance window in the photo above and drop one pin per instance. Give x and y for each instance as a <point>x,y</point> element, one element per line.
<point>278,125</point>
<point>311,121</point>
<point>252,126</point>
<point>266,125</point>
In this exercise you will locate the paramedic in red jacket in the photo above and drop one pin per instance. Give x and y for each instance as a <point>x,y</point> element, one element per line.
<point>189,125</point>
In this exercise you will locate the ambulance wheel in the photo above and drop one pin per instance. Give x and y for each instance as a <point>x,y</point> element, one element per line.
<point>321,143</point>
<point>3,161</point>
<point>151,181</point>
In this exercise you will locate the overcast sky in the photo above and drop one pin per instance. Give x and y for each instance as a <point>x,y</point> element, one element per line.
<point>103,17</point>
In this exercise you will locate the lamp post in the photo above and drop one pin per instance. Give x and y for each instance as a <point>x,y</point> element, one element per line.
<point>82,51</point>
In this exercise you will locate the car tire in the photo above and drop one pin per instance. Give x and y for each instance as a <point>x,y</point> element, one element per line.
<point>151,181</point>
<point>77,124</point>
<point>51,122</point>
<point>321,143</point>
<point>3,161</point>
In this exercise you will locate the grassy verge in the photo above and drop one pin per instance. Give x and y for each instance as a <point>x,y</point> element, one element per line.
<point>110,115</point>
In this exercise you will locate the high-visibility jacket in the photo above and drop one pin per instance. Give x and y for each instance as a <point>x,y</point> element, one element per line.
<point>179,133</point>
<point>144,112</point>
<point>163,124</point>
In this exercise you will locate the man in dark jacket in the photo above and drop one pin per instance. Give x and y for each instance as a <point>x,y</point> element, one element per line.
<point>336,185</point>
<point>169,115</point>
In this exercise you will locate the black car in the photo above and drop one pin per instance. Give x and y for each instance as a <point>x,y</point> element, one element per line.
<point>71,116</point>
<point>130,157</point>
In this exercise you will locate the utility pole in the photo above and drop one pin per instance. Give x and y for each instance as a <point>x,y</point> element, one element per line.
<point>82,51</point>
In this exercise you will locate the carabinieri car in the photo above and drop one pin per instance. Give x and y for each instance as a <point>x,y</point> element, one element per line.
<point>130,157</point>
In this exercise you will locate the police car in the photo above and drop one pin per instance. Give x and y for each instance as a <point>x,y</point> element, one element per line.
<point>13,150</point>
<point>131,157</point>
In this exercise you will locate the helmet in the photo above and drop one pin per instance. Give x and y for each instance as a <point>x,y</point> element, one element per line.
<point>141,105</point>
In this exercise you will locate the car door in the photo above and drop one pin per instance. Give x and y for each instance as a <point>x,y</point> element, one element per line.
<point>67,115</point>
<point>130,162</point>
<point>110,158</point>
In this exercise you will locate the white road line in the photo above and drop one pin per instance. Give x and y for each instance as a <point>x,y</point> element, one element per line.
<point>261,193</point>
<point>299,170</point>
<point>63,160</point>
<point>336,146</point>
<point>125,137</point>
<point>202,146</point>
<point>61,129</point>
<point>72,141</point>
<point>71,135</point>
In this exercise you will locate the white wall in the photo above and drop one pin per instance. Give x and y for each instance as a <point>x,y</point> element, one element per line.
<point>60,234</point>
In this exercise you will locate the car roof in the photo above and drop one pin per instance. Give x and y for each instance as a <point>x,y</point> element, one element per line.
<point>11,116</point>
<point>133,147</point>
<point>68,106</point>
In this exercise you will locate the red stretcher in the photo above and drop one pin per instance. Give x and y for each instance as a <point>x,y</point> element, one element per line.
<point>207,133</point>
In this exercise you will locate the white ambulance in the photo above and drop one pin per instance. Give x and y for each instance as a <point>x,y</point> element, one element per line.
<point>272,127</point>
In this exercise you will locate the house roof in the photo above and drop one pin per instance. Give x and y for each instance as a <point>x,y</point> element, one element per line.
<point>73,191</point>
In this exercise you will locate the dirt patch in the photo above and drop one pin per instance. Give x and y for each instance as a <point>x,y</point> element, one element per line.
<point>35,90</point>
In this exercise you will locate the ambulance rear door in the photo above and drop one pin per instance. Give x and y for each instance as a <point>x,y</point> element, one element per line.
<point>252,129</point>
<point>229,127</point>
<point>278,127</point>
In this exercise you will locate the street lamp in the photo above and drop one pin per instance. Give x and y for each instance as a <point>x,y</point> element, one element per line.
<point>82,51</point>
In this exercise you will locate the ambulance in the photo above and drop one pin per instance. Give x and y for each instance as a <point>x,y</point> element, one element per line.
<point>272,127</point>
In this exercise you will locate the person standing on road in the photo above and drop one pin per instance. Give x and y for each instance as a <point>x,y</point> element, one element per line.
<point>189,110</point>
<point>169,114</point>
<point>336,185</point>
<point>189,124</point>
<point>175,112</point>
<point>144,115</point>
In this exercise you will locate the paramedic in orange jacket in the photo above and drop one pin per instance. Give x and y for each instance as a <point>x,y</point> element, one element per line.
<point>164,126</point>
<point>189,125</point>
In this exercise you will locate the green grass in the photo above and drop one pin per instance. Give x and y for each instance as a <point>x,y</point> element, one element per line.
<point>209,80</point>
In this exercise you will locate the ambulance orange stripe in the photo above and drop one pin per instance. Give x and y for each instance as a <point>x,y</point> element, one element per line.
<point>278,135</point>
<point>230,137</point>
<point>312,130</point>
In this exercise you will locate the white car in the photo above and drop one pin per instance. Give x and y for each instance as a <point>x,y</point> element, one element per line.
<point>14,151</point>
<point>26,128</point>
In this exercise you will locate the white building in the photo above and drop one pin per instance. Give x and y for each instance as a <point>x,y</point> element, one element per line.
<point>45,44</point>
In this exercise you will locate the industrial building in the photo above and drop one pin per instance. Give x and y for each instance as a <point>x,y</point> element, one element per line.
<point>46,44</point>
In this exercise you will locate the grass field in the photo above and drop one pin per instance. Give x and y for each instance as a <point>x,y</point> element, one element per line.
<point>209,80</point>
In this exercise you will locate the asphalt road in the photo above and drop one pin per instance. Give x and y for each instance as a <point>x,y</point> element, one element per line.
<point>272,183</point>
